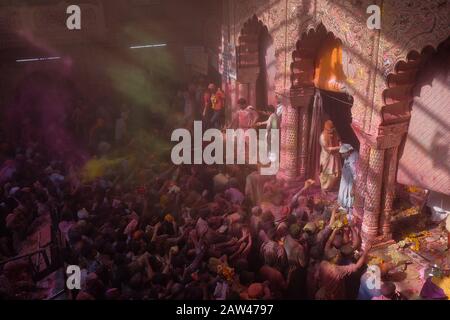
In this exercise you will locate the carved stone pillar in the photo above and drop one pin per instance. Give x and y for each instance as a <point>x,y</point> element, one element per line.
<point>375,181</point>
<point>389,139</point>
<point>303,132</point>
<point>289,143</point>
<point>372,201</point>
<point>362,169</point>
<point>301,97</point>
<point>295,133</point>
<point>389,177</point>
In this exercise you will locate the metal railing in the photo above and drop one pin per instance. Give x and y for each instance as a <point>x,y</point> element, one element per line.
<point>50,254</point>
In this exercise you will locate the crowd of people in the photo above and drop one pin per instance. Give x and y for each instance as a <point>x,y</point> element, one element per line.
<point>179,232</point>
<point>199,101</point>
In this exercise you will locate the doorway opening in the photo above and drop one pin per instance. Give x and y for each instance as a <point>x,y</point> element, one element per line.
<point>337,107</point>
<point>256,57</point>
<point>318,68</point>
<point>330,81</point>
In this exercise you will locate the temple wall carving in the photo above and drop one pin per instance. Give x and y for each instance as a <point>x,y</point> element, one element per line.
<point>370,54</point>
<point>377,64</point>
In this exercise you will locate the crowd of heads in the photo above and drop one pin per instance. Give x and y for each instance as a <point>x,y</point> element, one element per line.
<point>174,232</point>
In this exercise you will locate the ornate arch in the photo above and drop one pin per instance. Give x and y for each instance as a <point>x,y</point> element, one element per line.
<point>397,101</point>
<point>253,41</point>
<point>398,95</point>
<point>248,43</point>
<point>295,121</point>
<point>303,57</point>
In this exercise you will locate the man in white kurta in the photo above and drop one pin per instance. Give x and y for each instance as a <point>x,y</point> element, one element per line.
<point>345,197</point>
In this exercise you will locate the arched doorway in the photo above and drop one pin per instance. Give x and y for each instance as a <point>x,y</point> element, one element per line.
<point>256,64</point>
<point>378,177</point>
<point>318,93</point>
<point>264,83</point>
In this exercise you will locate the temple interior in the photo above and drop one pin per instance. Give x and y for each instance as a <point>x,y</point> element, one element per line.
<point>95,102</point>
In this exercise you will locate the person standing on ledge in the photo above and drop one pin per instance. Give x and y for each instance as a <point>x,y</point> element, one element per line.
<point>345,197</point>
